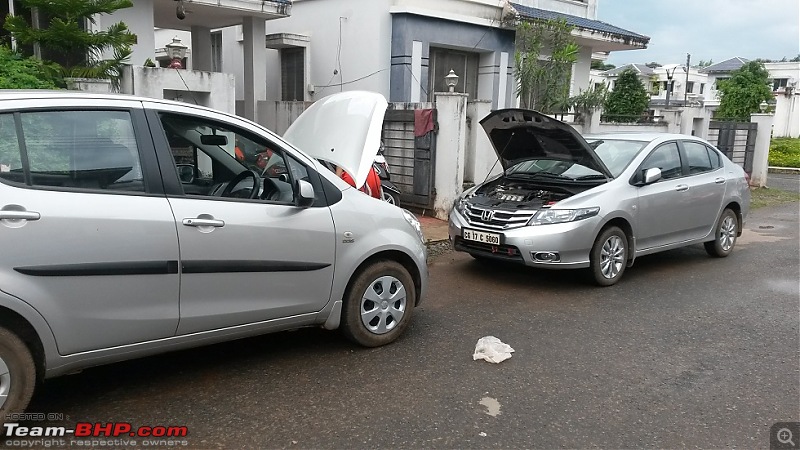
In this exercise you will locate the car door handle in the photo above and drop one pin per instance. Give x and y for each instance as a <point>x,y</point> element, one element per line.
<point>19,215</point>
<point>719,180</point>
<point>682,187</point>
<point>197,222</point>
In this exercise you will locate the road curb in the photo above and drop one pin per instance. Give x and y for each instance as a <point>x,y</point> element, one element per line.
<point>785,170</point>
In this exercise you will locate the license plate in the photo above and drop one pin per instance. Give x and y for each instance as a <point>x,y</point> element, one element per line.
<point>480,236</point>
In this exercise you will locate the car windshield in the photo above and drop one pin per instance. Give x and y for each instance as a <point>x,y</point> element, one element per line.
<point>616,154</point>
<point>554,168</point>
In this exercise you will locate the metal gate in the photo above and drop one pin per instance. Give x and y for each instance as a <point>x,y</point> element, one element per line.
<point>411,159</point>
<point>737,140</point>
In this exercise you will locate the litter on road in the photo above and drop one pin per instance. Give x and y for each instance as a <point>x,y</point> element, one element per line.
<point>491,349</point>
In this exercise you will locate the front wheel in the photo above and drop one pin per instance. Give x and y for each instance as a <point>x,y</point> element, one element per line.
<point>725,233</point>
<point>17,375</point>
<point>378,304</point>
<point>609,256</point>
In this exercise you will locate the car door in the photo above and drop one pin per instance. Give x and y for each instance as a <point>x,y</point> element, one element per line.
<point>242,260</point>
<point>664,205</point>
<point>706,182</point>
<point>87,236</point>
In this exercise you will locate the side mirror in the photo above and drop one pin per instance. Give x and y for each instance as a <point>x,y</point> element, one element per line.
<point>186,173</point>
<point>651,175</point>
<point>304,193</point>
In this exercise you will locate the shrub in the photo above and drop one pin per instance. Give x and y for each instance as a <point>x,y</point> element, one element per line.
<point>784,152</point>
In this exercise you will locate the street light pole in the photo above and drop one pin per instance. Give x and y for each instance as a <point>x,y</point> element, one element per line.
<point>686,87</point>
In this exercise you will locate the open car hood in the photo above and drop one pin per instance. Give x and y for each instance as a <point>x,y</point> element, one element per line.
<point>520,134</point>
<point>343,128</point>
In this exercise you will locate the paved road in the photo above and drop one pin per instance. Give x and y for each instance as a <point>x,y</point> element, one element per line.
<point>784,181</point>
<point>686,351</point>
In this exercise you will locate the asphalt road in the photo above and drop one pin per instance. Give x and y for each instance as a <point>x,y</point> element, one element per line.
<point>686,351</point>
<point>784,181</point>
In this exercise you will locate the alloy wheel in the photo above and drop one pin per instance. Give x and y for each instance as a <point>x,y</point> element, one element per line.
<point>5,382</point>
<point>612,257</point>
<point>727,233</point>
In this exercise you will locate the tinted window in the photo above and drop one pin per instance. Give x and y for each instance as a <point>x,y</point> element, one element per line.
<point>77,149</point>
<point>667,158</point>
<point>697,157</point>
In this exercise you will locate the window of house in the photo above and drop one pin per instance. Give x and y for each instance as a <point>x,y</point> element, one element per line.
<point>702,87</point>
<point>94,150</point>
<point>720,80</point>
<point>690,87</point>
<point>293,74</point>
<point>464,64</point>
<point>778,83</point>
<point>216,51</point>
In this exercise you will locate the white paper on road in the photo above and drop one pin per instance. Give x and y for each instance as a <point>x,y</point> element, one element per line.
<point>491,349</point>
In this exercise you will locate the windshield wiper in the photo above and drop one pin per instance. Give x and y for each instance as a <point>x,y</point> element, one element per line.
<point>540,174</point>
<point>598,176</point>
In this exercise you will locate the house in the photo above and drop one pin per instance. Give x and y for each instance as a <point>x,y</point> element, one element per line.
<point>404,48</point>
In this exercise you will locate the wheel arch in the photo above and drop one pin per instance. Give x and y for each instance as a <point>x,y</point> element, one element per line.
<point>737,209</point>
<point>627,228</point>
<point>17,324</point>
<point>391,255</point>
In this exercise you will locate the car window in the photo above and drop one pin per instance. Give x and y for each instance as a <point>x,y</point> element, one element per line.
<point>617,154</point>
<point>94,150</point>
<point>208,155</point>
<point>697,157</point>
<point>667,158</point>
<point>714,156</point>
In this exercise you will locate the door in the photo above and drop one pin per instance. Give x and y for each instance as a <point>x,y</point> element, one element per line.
<point>87,236</point>
<point>243,259</point>
<point>706,181</point>
<point>664,206</point>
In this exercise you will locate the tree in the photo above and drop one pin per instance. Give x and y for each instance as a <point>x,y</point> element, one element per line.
<point>629,99</point>
<point>81,50</point>
<point>18,72</point>
<point>796,58</point>
<point>703,63</point>
<point>743,92</point>
<point>600,65</point>
<point>653,65</point>
<point>543,83</point>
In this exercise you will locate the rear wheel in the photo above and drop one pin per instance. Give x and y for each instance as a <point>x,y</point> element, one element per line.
<point>378,304</point>
<point>609,256</point>
<point>17,374</point>
<point>390,197</point>
<point>725,233</point>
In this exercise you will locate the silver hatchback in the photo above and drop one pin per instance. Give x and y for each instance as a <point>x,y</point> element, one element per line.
<point>564,201</point>
<point>133,226</point>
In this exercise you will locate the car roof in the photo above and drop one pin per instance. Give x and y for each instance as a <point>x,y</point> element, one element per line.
<point>639,136</point>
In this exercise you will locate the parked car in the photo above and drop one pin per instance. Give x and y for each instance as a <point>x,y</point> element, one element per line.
<point>129,228</point>
<point>564,201</point>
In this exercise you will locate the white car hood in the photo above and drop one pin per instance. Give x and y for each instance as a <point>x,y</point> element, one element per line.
<point>343,128</point>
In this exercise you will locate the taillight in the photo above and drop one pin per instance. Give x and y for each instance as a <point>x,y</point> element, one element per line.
<point>747,178</point>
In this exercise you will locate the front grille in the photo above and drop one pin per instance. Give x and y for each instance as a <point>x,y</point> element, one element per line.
<point>505,252</point>
<point>499,220</point>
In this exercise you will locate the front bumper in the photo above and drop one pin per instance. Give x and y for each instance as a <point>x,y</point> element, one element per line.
<point>571,241</point>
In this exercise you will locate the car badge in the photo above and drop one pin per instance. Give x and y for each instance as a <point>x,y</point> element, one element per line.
<point>487,215</point>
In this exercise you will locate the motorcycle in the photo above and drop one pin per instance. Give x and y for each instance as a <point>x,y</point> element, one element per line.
<point>391,194</point>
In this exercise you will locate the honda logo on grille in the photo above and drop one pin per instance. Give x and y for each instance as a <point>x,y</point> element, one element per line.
<point>487,215</point>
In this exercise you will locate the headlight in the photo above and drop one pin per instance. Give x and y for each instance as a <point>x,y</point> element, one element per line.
<point>412,220</point>
<point>460,205</point>
<point>550,216</point>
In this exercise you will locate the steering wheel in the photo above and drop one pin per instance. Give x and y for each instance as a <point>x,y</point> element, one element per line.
<point>241,176</point>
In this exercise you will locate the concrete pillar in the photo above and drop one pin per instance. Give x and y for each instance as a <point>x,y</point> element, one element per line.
<point>450,151</point>
<point>673,119</point>
<point>479,155</point>
<point>687,120</point>
<point>201,48</point>
<point>255,65</point>
<point>701,123</point>
<point>761,156</point>
<point>591,121</point>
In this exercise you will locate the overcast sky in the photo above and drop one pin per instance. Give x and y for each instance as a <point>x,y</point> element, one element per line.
<point>708,29</point>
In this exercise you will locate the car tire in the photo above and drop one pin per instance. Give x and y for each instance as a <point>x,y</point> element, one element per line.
<point>725,232</point>
<point>609,256</point>
<point>378,304</point>
<point>17,374</point>
<point>391,198</point>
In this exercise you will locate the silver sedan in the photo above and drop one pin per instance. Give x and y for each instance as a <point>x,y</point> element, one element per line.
<point>566,201</point>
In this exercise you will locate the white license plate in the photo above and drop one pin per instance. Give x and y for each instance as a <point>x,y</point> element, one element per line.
<point>480,236</point>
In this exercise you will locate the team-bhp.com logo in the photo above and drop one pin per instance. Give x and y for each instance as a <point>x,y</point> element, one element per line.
<point>88,429</point>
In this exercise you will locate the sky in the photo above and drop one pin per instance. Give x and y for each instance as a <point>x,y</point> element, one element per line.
<point>707,29</point>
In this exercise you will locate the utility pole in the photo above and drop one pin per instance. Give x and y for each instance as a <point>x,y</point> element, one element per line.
<point>11,13</point>
<point>686,87</point>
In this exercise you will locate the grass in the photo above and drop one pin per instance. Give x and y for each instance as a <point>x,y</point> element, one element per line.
<point>762,197</point>
<point>784,152</point>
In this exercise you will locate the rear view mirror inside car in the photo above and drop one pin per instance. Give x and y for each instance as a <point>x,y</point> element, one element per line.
<point>214,139</point>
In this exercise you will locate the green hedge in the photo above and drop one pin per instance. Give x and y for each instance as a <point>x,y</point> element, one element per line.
<point>784,152</point>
